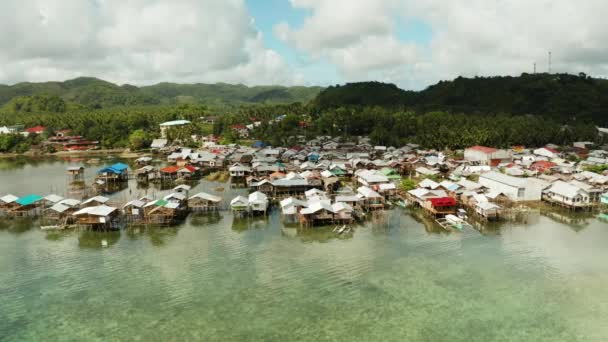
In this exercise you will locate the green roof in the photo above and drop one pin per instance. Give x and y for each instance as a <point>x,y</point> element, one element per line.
<point>338,171</point>
<point>161,203</point>
<point>387,171</point>
<point>29,199</point>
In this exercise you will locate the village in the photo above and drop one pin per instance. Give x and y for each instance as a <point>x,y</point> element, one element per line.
<point>325,181</point>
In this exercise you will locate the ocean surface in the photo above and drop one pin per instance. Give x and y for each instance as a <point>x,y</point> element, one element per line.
<point>215,278</point>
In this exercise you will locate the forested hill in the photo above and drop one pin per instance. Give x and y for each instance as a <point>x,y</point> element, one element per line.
<point>95,93</point>
<point>560,96</point>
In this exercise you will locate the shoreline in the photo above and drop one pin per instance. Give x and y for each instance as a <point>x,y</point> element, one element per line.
<point>122,153</point>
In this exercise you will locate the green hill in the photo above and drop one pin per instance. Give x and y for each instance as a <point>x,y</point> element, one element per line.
<point>560,96</point>
<point>95,93</point>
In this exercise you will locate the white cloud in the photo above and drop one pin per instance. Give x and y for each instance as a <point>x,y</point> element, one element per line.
<point>136,41</point>
<point>469,37</point>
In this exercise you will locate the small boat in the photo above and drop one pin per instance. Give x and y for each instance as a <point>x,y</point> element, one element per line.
<point>104,243</point>
<point>341,230</point>
<point>401,203</point>
<point>51,227</point>
<point>336,229</point>
<point>455,222</point>
<point>603,217</point>
<point>462,214</point>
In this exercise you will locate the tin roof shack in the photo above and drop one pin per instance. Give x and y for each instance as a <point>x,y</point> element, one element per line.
<point>165,212</point>
<point>318,212</point>
<point>568,195</point>
<point>290,208</point>
<point>292,185</point>
<point>7,203</point>
<point>112,178</point>
<point>258,203</point>
<point>240,206</point>
<point>29,205</point>
<point>516,189</point>
<point>59,213</point>
<point>134,211</point>
<point>95,201</point>
<point>547,152</point>
<point>147,174</point>
<point>371,200</point>
<point>483,155</point>
<point>169,173</point>
<point>440,206</point>
<point>100,217</point>
<point>204,202</point>
<point>238,174</point>
<point>188,172</point>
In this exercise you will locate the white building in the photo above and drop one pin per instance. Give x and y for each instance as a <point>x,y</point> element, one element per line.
<point>568,194</point>
<point>516,189</point>
<point>169,124</point>
<point>487,155</point>
<point>547,152</point>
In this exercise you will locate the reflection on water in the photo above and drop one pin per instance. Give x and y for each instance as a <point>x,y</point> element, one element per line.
<point>216,278</point>
<point>17,225</point>
<point>89,239</point>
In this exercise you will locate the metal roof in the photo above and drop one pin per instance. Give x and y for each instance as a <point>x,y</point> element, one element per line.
<point>29,199</point>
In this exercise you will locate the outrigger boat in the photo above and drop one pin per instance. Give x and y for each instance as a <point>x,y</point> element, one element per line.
<point>452,222</point>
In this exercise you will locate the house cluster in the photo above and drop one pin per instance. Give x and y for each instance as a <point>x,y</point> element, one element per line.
<point>487,180</point>
<point>60,140</point>
<point>99,212</point>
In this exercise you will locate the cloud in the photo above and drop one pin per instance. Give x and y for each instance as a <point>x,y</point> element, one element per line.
<point>469,37</point>
<point>138,41</point>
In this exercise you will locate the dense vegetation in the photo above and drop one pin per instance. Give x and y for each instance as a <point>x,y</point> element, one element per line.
<point>563,97</point>
<point>434,129</point>
<point>92,93</point>
<point>530,110</point>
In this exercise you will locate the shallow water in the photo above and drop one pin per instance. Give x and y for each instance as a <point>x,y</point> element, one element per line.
<point>215,278</point>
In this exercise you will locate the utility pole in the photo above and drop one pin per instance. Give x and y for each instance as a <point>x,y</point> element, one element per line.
<point>535,68</point>
<point>549,61</point>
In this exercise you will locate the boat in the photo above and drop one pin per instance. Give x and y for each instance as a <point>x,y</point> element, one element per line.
<point>401,203</point>
<point>104,243</point>
<point>55,227</point>
<point>341,230</point>
<point>603,217</point>
<point>462,214</point>
<point>455,222</point>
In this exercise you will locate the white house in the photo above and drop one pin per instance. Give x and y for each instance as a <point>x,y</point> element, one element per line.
<point>516,189</point>
<point>258,201</point>
<point>568,194</point>
<point>487,155</point>
<point>547,152</point>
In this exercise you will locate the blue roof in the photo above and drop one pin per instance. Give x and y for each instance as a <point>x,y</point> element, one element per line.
<point>29,199</point>
<point>117,168</point>
<point>259,144</point>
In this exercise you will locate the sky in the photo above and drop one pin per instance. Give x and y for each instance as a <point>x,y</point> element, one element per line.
<point>412,43</point>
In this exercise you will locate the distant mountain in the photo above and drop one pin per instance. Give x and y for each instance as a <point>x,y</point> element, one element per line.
<point>95,93</point>
<point>561,96</point>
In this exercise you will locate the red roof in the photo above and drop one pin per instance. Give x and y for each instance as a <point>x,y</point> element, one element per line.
<point>483,149</point>
<point>238,127</point>
<point>36,129</point>
<point>551,149</point>
<point>443,202</point>
<point>543,165</point>
<point>169,169</point>
<point>189,168</point>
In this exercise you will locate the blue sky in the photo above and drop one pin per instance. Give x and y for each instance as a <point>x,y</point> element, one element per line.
<point>270,13</point>
<point>412,43</point>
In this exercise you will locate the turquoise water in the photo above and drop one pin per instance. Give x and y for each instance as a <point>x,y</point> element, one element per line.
<point>216,279</point>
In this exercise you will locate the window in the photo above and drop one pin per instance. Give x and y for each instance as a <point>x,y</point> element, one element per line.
<point>520,192</point>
